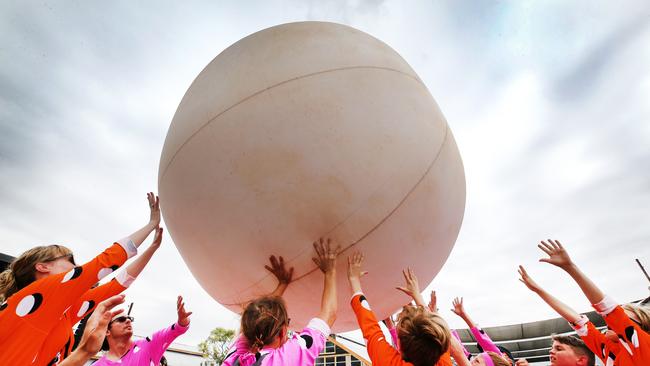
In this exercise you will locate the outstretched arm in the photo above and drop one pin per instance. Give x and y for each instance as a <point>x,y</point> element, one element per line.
<point>412,287</point>
<point>326,261</point>
<point>458,352</point>
<point>561,308</point>
<point>459,309</point>
<point>481,337</point>
<point>379,350</point>
<point>161,339</point>
<point>121,282</point>
<point>617,320</point>
<point>355,273</point>
<point>559,257</point>
<point>154,221</point>
<point>183,315</point>
<point>280,272</point>
<point>390,325</point>
<point>138,264</point>
<point>594,340</point>
<point>433,302</point>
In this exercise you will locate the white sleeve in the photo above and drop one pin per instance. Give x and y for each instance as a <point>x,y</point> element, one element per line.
<point>319,325</point>
<point>129,247</point>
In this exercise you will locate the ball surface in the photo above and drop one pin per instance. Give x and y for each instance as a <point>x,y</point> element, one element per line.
<point>308,130</point>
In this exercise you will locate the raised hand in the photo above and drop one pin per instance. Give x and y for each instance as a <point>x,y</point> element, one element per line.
<point>325,256</point>
<point>354,265</point>
<point>527,280</point>
<point>278,269</point>
<point>95,332</point>
<point>433,302</point>
<point>326,261</point>
<point>458,308</point>
<point>157,239</point>
<point>183,315</point>
<point>355,272</point>
<point>412,287</point>
<point>557,255</point>
<point>97,324</point>
<point>140,235</point>
<point>154,207</point>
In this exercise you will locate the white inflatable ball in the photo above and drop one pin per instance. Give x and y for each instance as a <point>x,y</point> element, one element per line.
<point>308,130</point>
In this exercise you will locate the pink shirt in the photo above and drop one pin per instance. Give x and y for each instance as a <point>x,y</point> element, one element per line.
<point>149,351</point>
<point>300,349</point>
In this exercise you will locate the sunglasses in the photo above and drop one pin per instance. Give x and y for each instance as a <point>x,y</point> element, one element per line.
<point>122,319</point>
<point>70,258</point>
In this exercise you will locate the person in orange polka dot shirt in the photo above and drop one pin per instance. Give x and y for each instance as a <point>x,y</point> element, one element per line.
<point>44,293</point>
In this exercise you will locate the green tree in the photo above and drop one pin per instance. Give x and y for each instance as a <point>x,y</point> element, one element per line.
<point>215,348</point>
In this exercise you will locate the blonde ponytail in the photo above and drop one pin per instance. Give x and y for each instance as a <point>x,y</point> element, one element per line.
<point>8,284</point>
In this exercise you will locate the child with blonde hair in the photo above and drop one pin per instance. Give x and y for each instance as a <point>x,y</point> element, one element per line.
<point>423,337</point>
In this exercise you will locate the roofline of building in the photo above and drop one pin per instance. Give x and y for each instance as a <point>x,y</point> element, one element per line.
<point>347,349</point>
<point>6,258</point>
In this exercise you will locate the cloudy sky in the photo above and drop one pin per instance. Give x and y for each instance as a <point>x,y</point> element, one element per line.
<point>549,103</point>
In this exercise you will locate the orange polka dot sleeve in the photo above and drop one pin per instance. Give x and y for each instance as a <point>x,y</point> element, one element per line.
<point>602,347</point>
<point>381,353</point>
<point>632,339</point>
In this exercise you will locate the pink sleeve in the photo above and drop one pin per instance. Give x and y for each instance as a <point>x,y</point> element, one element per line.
<point>484,340</point>
<point>455,334</point>
<point>393,337</point>
<point>239,347</point>
<point>304,348</point>
<point>161,340</point>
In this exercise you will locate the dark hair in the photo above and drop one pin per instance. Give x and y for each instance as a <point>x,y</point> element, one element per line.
<point>577,345</point>
<point>506,352</point>
<point>423,336</point>
<point>263,320</point>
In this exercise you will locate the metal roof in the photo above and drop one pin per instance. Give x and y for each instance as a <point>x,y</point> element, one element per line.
<point>527,340</point>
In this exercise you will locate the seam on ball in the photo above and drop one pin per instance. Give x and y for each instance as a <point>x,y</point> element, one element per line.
<point>209,121</point>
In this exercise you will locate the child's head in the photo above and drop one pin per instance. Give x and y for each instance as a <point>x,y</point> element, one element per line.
<point>569,350</point>
<point>423,336</point>
<point>263,321</point>
<point>489,359</point>
<point>638,314</point>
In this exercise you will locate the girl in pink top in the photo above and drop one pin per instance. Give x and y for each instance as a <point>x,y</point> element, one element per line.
<point>264,325</point>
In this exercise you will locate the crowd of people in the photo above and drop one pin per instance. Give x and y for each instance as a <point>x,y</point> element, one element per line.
<point>44,293</point>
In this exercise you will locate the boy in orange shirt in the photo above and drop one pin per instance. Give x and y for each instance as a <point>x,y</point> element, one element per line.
<point>423,336</point>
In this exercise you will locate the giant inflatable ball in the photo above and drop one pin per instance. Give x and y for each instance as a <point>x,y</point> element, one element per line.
<point>308,130</point>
